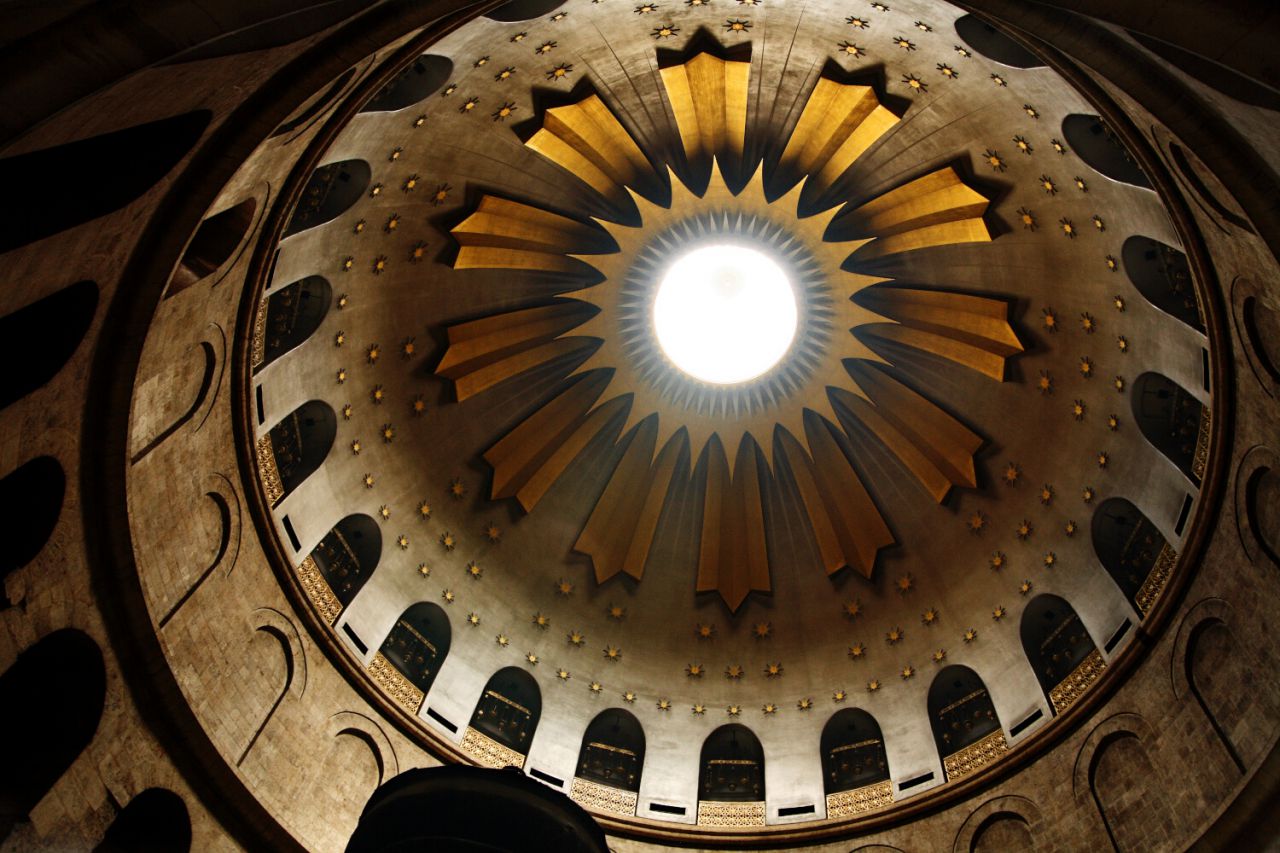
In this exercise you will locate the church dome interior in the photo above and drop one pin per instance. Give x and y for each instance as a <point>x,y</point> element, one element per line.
<point>745,424</point>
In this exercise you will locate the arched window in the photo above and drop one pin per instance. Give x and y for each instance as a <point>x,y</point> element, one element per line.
<point>612,752</point>
<point>348,554</point>
<point>1163,277</point>
<point>54,692</point>
<point>75,183</point>
<point>331,190</point>
<point>505,719</point>
<point>212,245</point>
<point>524,10</point>
<point>293,313</point>
<point>853,759</point>
<point>993,44</point>
<point>42,336</point>
<point>1132,550</point>
<point>731,773</point>
<point>34,493</point>
<point>415,648</point>
<point>1061,652</point>
<point>427,74</point>
<point>965,726</point>
<point>155,819</point>
<point>1175,422</point>
<point>295,447</point>
<point>1098,145</point>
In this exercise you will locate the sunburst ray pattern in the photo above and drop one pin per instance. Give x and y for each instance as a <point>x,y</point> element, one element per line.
<point>837,369</point>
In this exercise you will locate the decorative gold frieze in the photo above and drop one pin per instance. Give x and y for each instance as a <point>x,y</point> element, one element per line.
<point>268,473</point>
<point>487,752</point>
<point>712,813</point>
<point>1156,579</point>
<point>317,589</point>
<point>1202,443</point>
<point>975,756</point>
<point>393,681</point>
<point>603,798</point>
<point>1074,685</point>
<point>859,800</point>
<point>259,335</point>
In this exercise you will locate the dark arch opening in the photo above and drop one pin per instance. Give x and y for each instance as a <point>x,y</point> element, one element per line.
<point>213,244</point>
<point>960,711</point>
<point>348,554</point>
<point>329,192</point>
<point>612,751</point>
<point>1172,420</point>
<point>1055,642</point>
<point>509,709</point>
<point>301,441</point>
<point>42,336</point>
<point>427,74</point>
<point>1163,277</point>
<point>993,44</point>
<point>33,492</point>
<point>523,10</point>
<point>71,184</point>
<point>54,692</point>
<point>731,768</point>
<point>1262,328</point>
<point>154,820</point>
<point>1128,545</point>
<point>294,312</point>
<point>418,643</point>
<point>1099,147</point>
<point>1262,510</point>
<point>853,754</point>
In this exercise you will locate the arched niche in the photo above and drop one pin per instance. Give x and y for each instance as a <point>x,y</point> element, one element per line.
<point>1061,653</point>
<point>731,777</point>
<point>1099,147</point>
<point>330,192</point>
<point>1262,509</point>
<point>1174,421</point>
<point>347,556</point>
<point>524,10</point>
<point>422,78</point>
<point>1002,832</point>
<point>1129,792</point>
<point>855,766</point>
<point>1132,550</point>
<point>295,447</point>
<point>34,493</point>
<point>156,819</point>
<point>213,245</point>
<point>42,336</point>
<point>966,728</point>
<point>55,693</point>
<point>415,649</point>
<point>993,44</point>
<point>1163,277</point>
<point>612,753</point>
<point>293,313</point>
<point>505,719</point>
<point>1216,665</point>
<point>57,188</point>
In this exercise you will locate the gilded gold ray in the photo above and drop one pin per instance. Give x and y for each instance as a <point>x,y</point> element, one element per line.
<point>709,98</point>
<point>838,124</point>
<point>505,234</point>
<point>733,559</point>
<point>587,140</point>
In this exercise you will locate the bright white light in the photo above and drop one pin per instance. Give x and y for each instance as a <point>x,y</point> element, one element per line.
<point>725,314</point>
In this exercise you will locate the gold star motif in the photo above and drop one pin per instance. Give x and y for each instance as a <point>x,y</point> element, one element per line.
<point>852,608</point>
<point>971,635</point>
<point>908,671</point>
<point>995,161</point>
<point>424,510</point>
<point>346,412</point>
<point>665,31</point>
<point>1119,383</point>
<point>402,541</point>
<point>576,638</point>
<point>893,636</point>
<point>1045,382</point>
<point>448,596</point>
<point>616,612</point>
<point>343,301</point>
<point>504,74</point>
<point>1069,528</point>
<point>1123,343</point>
<point>905,583</point>
<point>519,37</point>
<point>964,52</point>
<point>342,375</point>
<point>1023,145</point>
<point>1024,530</point>
<point>562,674</point>
<point>923,27</point>
<point>804,704</point>
<point>769,708</point>
<point>773,670</point>
<point>504,112</point>
<point>733,672</point>
<point>762,630</point>
<point>1081,185</point>
<point>388,433</point>
<point>857,650</point>
<point>664,704</point>
<point>560,72</point>
<point>999,81</point>
<point>1103,459</point>
<point>704,632</point>
<point>596,687</point>
<point>1011,474</point>
<point>564,588</point>
<point>469,105</point>
<point>545,47</point>
<point>1077,410</point>
<point>940,655</point>
<point>442,192</point>
<point>418,406</point>
<point>737,26</point>
<point>977,521</point>
<point>1031,111</point>
<point>851,49</point>
<point>448,541</point>
<point>1048,185</point>
<point>424,570</point>
<point>997,612</point>
<point>502,640</point>
<point>873,685</point>
<point>482,61</point>
<point>1098,223</point>
<point>457,490</point>
<point>628,696</point>
<point>857,23</point>
<point>699,709</point>
<point>914,82</point>
<point>355,447</point>
<point>473,619</point>
<point>1067,227</point>
<point>377,395</point>
<point>1086,366</point>
<point>1087,494</point>
<point>1024,587</point>
<point>1050,319</point>
<point>997,561</point>
<point>531,658</point>
<point>1046,494</point>
<point>930,616</point>
<point>492,532</point>
<point>733,710</point>
<point>839,695</point>
<point>1113,423</point>
<point>474,570</point>
<point>1114,266</point>
<point>905,44</point>
<point>694,670</point>
<point>368,481</point>
<point>613,654</point>
<point>541,620</point>
<point>1050,560</point>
